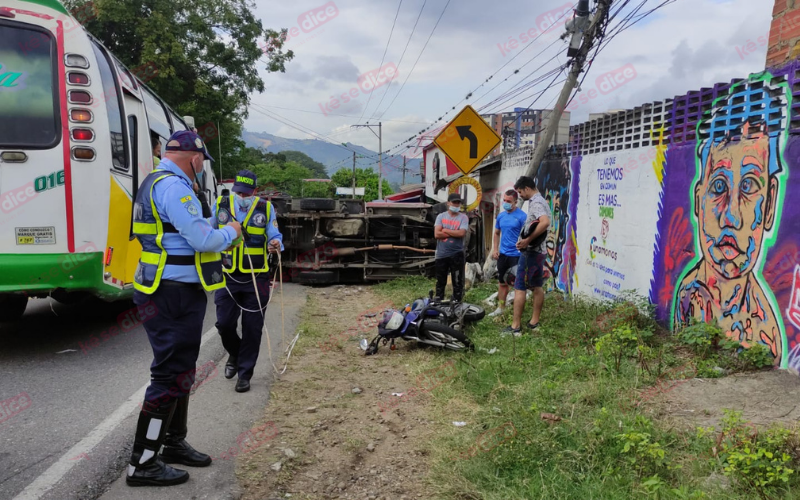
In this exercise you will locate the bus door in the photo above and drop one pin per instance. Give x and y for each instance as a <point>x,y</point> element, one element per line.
<point>123,250</point>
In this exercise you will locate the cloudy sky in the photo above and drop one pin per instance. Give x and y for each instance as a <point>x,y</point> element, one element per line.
<point>683,46</point>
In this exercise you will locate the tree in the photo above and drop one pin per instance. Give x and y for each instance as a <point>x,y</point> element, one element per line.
<point>317,168</point>
<point>205,53</point>
<point>288,177</point>
<point>366,178</point>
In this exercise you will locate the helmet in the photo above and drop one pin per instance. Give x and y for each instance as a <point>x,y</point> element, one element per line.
<point>511,276</point>
<point>391,323</point>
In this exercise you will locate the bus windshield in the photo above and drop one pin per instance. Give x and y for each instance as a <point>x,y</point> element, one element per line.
<point>28,105</point>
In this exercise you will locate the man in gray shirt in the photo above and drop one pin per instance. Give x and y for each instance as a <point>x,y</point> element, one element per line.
<point>449,231</point>
<point>531,244</point>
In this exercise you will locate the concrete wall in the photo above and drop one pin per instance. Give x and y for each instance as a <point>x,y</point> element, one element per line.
<point>690,202</point>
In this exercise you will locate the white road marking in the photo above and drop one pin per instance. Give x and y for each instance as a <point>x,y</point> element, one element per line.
<point>49,478</point>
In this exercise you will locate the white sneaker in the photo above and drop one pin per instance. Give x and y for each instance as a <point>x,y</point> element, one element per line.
<point>497,312</point>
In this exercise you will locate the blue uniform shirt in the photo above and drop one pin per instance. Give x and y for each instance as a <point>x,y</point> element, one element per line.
<point>177,204</point>
<point>241,215</point>
<point>510,224</point>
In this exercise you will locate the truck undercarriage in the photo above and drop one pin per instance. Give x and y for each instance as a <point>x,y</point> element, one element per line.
<point>348,241</point>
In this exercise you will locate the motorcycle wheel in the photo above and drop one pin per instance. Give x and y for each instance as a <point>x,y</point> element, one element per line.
<point>473,312</point>
<point>454,339</point>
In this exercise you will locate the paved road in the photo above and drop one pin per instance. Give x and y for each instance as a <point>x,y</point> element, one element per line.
<point>79,381</point>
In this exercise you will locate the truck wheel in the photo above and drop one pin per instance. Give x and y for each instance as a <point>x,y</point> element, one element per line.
<point>12,307</point>
<point>316,278</point>
<point>318,204</point>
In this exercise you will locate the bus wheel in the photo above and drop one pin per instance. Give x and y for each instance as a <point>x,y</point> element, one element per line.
<point>12,306</point>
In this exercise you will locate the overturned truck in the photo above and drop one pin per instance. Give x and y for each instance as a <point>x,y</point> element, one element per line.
<point>349,241</point>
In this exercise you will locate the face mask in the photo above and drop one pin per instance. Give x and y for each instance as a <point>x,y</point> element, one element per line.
<point>454,209</point>
<point>246,203</point>
<point>508,206</point>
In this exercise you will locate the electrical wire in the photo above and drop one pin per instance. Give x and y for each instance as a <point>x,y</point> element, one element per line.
<point>382,58</point>
<point>297,126</point>
<point>453,108</point>
<point>335,114</point>
<point>418,58</point>
<point>386,91</point>
<point>627,21</point>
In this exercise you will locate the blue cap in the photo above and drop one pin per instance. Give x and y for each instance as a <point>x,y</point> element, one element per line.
<point>245,182</point>
<point>186,140</point>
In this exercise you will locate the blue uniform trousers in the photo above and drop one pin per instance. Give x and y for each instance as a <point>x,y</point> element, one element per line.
<point>174,333</point>
<point>240,292</point>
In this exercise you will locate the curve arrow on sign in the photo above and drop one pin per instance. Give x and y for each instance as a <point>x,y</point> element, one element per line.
<point>464,132</point>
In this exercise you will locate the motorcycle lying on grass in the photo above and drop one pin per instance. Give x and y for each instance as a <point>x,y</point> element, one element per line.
<point>427,322</point>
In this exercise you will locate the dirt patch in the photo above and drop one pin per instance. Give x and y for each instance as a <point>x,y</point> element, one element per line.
<point>764,398</point>
<point>333,439</point>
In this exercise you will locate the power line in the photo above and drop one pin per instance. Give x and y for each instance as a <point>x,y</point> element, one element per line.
<point>296,126</point>
<point>512,93</point>
<point>415,62</point>
<point>384,56</point>
<point>334,114</point>
<point>386,91</point>
<point>453,108</point>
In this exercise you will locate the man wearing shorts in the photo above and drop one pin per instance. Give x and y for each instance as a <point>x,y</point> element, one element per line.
<point>506,233</point>
<point>531,244</point>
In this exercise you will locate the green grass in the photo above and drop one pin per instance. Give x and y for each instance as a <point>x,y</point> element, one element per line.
<point>603,447</point>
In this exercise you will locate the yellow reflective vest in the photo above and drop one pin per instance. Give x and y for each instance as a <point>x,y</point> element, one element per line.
<point>253,249</point>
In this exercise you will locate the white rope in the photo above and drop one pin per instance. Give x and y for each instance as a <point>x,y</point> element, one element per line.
<point>263,318</point>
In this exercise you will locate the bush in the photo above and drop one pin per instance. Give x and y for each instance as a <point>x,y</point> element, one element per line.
<point>757,356</point>
<point>702,338</point>
<point>757,463</point>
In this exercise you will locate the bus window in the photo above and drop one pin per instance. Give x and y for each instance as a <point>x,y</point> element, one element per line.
<point>177,123</point>
<point>156,116</point>
<point>119,159</point>
<point>157,146</point>
<point>28,93</point>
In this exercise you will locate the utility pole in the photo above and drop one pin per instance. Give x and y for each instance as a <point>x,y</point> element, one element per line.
<point>404,170</point>
<point>379,135</point>
<point>575,27</point>
<point>354,175</point>
<point>219,135</point>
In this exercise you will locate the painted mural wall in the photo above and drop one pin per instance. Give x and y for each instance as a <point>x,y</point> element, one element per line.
<point>554,183</point>
<point>698,211</point>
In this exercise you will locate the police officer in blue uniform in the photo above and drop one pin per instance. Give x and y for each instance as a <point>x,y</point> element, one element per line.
<point>243,265</point>
<point>180,261</point>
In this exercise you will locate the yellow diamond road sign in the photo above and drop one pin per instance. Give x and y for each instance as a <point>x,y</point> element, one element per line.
<point>467,139</point>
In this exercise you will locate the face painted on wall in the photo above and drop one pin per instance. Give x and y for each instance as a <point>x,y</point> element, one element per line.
<point>735,204</point>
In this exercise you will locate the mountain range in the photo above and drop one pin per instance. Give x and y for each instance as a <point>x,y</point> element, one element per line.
<point>335,157</point>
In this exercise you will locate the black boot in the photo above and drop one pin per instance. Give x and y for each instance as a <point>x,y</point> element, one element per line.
<point>176,449</point>
<point>231,367</point>
<point>146,468</point>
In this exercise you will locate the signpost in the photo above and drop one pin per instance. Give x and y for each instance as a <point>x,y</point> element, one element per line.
<point>467,139</point>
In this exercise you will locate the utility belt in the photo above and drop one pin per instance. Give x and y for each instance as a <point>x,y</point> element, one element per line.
<point>181,284</point>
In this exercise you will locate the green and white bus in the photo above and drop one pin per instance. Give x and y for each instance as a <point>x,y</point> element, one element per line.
<point>75,144</point>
